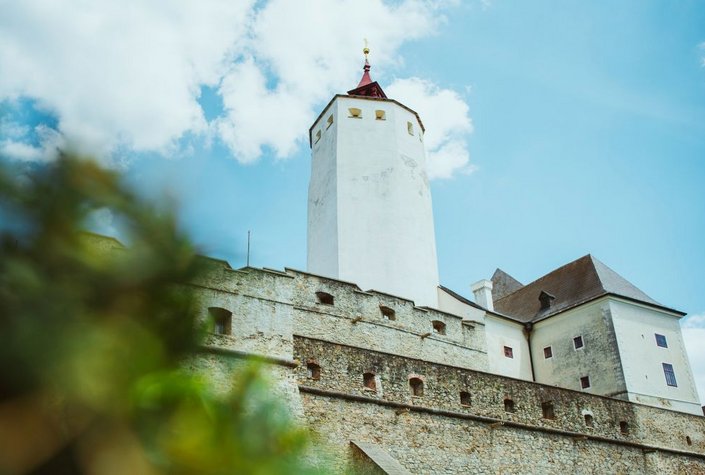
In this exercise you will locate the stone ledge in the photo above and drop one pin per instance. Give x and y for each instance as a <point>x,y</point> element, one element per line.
<point>494,422</point>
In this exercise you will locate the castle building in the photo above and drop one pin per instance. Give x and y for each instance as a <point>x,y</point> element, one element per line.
<point>578,371</point>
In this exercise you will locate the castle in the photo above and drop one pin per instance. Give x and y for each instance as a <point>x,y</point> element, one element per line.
<point>578,371</point>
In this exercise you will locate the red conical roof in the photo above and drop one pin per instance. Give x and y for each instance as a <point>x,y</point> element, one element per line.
<point>367,87</point>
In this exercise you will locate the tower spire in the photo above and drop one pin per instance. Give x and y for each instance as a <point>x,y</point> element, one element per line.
<point>366,86</point>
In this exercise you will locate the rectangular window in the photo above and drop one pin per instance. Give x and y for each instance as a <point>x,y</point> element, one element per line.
<point>661,340</point>
<point>548,352</point>
<point>585,382</point>
<point>330,121</point>
<point>508,352</point>
<point>578,342</point>
<point>410,128</point>
<point>669,374</point>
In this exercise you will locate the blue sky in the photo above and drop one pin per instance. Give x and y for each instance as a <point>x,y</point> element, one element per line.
<point>556,129</point>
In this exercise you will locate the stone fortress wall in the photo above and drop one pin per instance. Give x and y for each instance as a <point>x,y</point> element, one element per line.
<point>542,429</point>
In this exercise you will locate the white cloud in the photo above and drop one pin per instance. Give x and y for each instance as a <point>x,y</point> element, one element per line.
<point>693,328</point>
<point>447,120</point>
<point>116,73</point>
<point>14,142</point>
<point>129,75</point>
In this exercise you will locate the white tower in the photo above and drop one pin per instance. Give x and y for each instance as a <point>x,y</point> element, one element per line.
<point>370,219</point>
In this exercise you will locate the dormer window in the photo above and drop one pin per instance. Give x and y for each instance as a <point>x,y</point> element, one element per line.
<point>324,298</point>
<point>546,300</point>
<point>355,113</point>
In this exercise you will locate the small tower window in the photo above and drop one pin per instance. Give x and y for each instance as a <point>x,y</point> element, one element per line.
<point>416,386</point>
<point>464,398</point>
<point>324,298</point>
<point>355,113</point>
<point>508,352</point>
<point>380,115</point>
<point>508,405</point>
<point>661,340</point>
<point>318,136</point>
<point>369,381</point>
<point>222,320</point>
<point>439,327</point>
<point>330,121</point>
<point>669,374</point>
<point>410,128</point>
<point>387,313</point>
<point>623,427</point>
<point>547,410</point>
<point>313,371</point>
<point>585,382</point>
<point>548,352</point>
<point>589,420</point>
<point>578,342</point>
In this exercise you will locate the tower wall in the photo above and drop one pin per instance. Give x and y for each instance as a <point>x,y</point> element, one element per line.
<point>370,214</point>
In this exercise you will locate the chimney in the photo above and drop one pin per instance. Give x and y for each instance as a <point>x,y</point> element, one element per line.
<point>483,293</point>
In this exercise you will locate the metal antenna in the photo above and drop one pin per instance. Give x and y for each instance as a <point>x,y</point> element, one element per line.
<point>248,248</point>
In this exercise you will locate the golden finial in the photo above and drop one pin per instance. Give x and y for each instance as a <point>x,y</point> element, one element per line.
<point>366,50</point>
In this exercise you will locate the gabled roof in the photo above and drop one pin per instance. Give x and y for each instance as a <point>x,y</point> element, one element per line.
<point>503,284</point>
<point>578,282</point>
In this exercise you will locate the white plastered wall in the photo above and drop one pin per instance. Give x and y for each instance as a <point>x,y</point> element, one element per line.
<point>501,332</point>
<point>635,326</point>
<point>598,358</point>
<point>370,214</point>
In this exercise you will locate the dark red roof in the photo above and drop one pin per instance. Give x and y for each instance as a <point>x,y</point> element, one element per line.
<point>367,87</point>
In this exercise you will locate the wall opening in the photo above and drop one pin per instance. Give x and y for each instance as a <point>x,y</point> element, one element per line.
<point>465,398</point>
<point>439,327</point>
<point>585,382</point>
<point>661,340</point>
<point>548,352</point>
<point>669,374</point>
<point>355,113</point>
<point>387,313</point>
<point>623,427</point>
<point>578,342</point>
<point>589,420</point>
<point>325,298</point>
<point>548,410</point>
<point>508,352</point>
<point>222,320</point>
<point>329,122</point>
<point>508,405</point>
<point>688,440</point>
<point>318,137</point>
<point>368,380</point>
<point>416,386</point>
<point>380,115</point>
<point>410,128</point>
<point>313,371</point>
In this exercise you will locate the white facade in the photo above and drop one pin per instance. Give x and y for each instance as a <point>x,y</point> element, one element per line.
<point>636,327</point>
<point>370,219</point>
<point>501,334</point>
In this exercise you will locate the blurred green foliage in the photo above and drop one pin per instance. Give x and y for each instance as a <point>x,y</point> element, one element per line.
<point>93,339</point>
